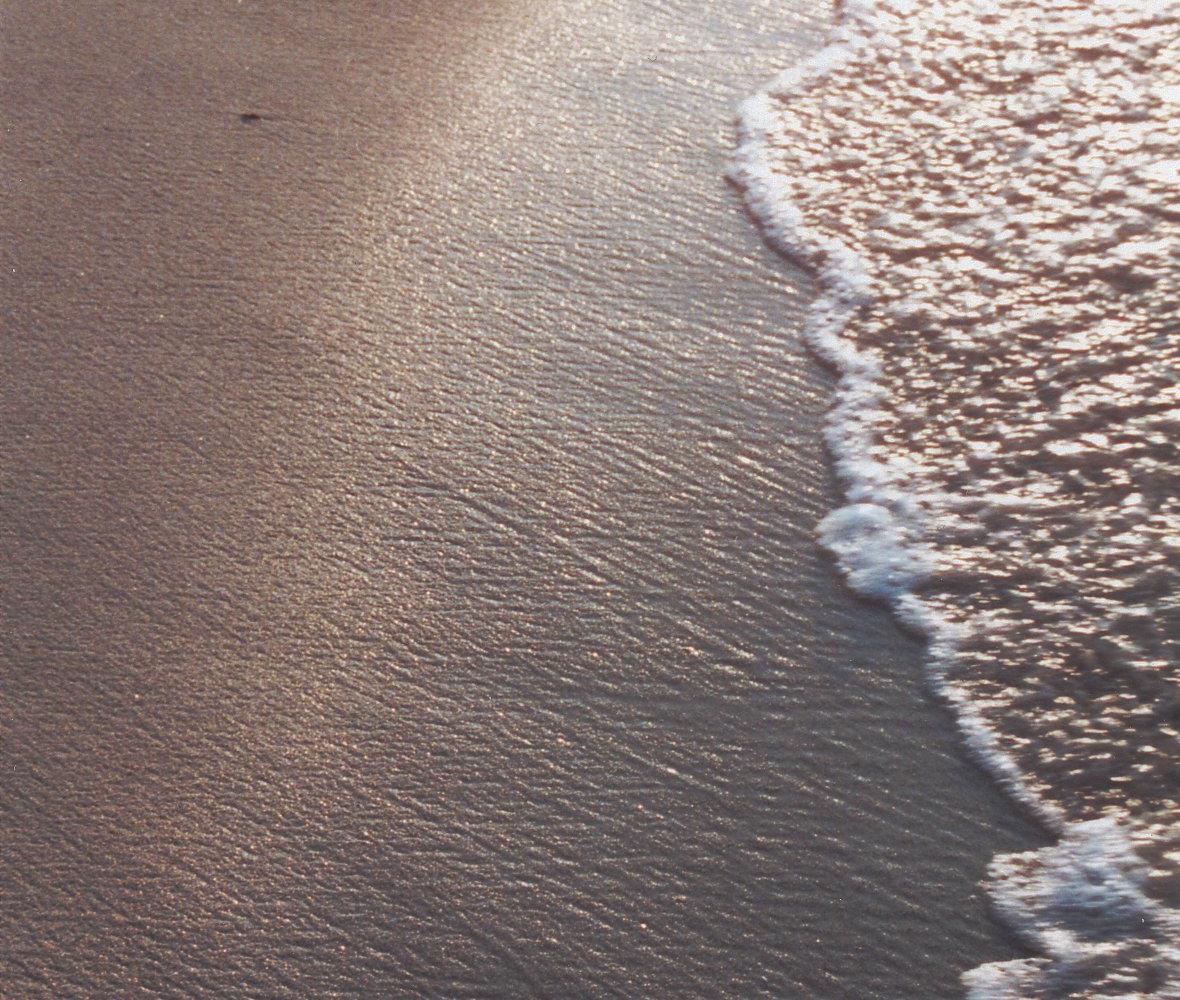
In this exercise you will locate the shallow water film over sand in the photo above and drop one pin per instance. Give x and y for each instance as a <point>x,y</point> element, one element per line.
<point>407,505</point>
<point>988,193</point>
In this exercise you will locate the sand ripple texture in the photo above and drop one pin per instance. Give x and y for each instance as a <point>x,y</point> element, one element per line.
<point>987,192</point>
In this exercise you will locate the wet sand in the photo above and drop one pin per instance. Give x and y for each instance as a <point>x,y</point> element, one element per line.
<point>410,474</point>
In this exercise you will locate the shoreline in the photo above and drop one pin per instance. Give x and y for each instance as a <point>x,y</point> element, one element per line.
<point>898,520</point>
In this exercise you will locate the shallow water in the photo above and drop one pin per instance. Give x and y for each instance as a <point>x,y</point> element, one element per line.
<point>988,193</point>
<point>408,500</point>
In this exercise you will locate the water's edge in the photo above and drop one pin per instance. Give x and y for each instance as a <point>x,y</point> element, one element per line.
<point>878,539</point>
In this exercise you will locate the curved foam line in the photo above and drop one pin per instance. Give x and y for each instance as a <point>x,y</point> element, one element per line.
<point>877,537</point>
<point>879,540</point>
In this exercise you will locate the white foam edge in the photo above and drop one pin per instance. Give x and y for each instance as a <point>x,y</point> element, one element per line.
<point>1061,898</point>
<point>877,537</point>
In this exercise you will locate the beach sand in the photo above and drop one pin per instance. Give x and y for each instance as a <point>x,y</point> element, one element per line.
<point>407,507</point>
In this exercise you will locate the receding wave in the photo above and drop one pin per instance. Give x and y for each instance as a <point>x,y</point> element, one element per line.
<point>989,195</point>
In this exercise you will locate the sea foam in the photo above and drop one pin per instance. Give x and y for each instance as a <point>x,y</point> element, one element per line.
<point>986,194</point>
